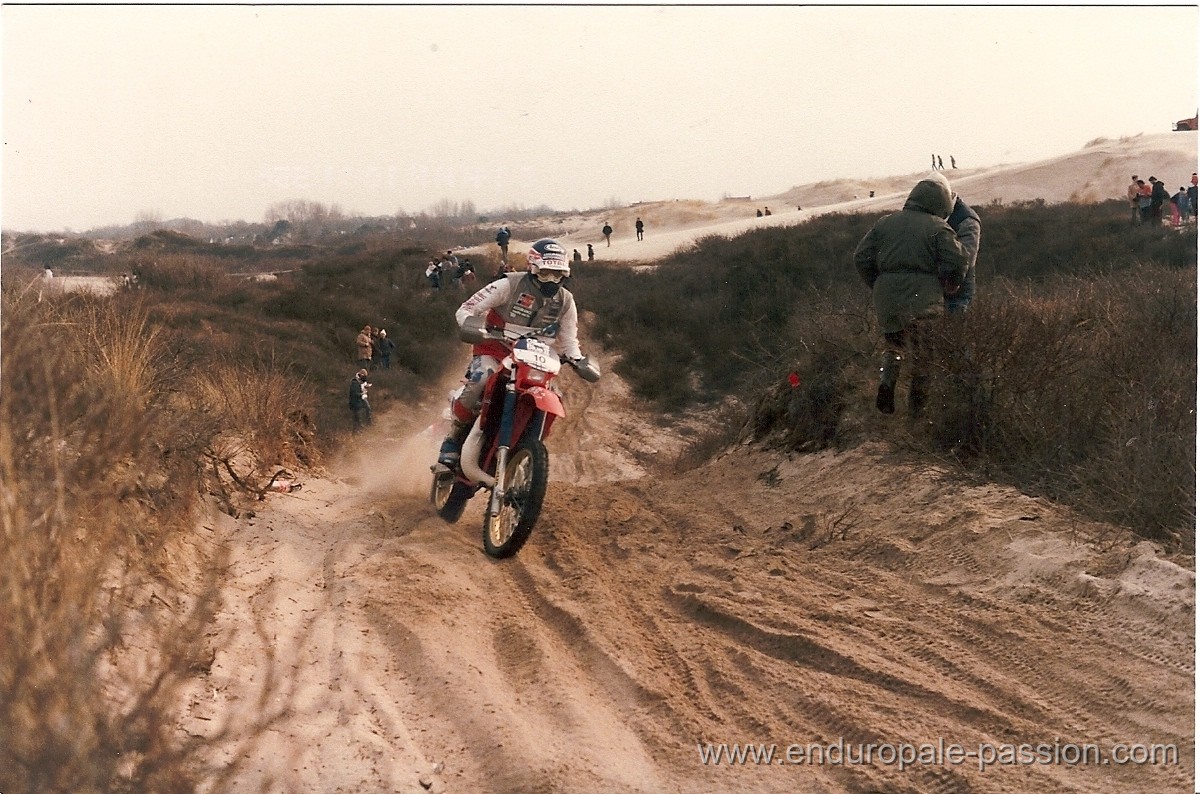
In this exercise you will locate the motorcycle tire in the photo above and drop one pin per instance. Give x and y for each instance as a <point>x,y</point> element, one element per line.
<point>450,496</point>
<point>526,474</point>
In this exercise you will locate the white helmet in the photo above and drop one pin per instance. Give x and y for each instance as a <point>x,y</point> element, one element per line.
<point>547,257</point>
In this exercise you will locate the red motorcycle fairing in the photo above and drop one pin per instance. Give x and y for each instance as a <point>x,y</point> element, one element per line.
<point>526,410</point>
<point>546,400</point>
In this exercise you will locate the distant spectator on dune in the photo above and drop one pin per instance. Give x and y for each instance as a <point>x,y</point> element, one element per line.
<point>386,348</point>
<point>1144,192</point>
<point>1192,197</point>
<point>758,213</point>
<point>576,257</point>
<point>607,232</point>
<point>940,166</point>
<point>767,211</point>
<point>953,164</point>
<point>1133,192</point>
<point>376,349</point>
<point>360,406</point>
<point>1158,195</point>
<point>502,238</point>
<point>640,228</point>
<point>362,346</point>
<point>591,252</point>
<point>1179,208</point>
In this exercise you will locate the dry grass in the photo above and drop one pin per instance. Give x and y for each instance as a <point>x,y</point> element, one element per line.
<point>106,592</point>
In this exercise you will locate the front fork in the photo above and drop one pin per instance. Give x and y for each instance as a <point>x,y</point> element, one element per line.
<point>506,428</point>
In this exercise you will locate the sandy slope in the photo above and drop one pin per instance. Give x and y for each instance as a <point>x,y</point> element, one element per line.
<point>1096,172</point>
<point>853,597</point>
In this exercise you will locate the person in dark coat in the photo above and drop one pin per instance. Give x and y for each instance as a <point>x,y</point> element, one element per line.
<point>607,232</point>
<point>1158,195</point>
<point>910,260</point>
<point>386,348</point>
<point>967,228</point>
<point>640,228</point>
<point>360,406</point>
<point>502,238</point>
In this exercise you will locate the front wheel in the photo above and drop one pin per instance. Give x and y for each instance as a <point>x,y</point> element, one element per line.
<point>449,496</point>
<point>525,479</point>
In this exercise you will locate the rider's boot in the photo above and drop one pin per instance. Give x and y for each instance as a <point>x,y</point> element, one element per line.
<point>889,373</point>
<point>451,450</point>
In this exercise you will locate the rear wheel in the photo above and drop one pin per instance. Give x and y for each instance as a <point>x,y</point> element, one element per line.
<point>525,479</point>
<point>449,496</point>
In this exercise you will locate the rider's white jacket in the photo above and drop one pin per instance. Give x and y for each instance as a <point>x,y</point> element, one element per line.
<point>518,300</point>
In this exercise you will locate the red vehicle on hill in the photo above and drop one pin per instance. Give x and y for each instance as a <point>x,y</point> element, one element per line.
<point>1183,125</point>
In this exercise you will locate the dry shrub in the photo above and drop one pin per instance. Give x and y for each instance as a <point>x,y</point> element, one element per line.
<point>106,592</point>
<point>99,633</point>
<point>264,412</point>
<point>1083,389</point>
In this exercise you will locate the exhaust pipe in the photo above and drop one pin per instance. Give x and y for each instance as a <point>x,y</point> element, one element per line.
<point>469,461</point>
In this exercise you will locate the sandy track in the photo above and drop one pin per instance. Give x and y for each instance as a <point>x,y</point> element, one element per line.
<point>853,598</point>
<point>850,597</point>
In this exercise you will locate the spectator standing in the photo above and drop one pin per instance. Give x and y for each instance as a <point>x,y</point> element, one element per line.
<point>576,257</point>
<point>607,232</point>
<point>767,211</point>
<point>968,230</point>
<point>386,348</point>
<point>363,346</point>
<point>1179,206</point>
<point>360,406</point>
<point>1144,192</point>
<point>940,166</point>
<point>376,350</point>
<point>758,213</point>
<point>640,228</point>
<point>434,273</point>
<point>933,162</point>
<point>1133,192</point>
<point>1158,194</point>
<point>1192,197</point>
<point>953,164</point>
<point>591,252</point>
<point>466,273</point>
<point>502,238</point>
<point>910,259</point>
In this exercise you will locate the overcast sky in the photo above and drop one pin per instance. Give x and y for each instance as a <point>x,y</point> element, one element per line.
<point>215,113</point>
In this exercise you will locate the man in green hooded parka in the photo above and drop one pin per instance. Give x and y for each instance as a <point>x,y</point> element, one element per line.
<point>910,260</point>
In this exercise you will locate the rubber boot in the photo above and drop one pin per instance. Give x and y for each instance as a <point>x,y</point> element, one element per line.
<point>451,449</point>
<point>889,373</point>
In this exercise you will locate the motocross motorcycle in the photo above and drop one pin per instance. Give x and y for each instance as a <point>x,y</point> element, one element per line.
<point>504,452</point>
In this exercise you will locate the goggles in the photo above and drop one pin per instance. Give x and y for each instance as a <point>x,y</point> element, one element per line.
<point>549,275</point>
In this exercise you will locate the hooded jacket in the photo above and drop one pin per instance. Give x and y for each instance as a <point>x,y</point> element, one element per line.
<point>909,258</point>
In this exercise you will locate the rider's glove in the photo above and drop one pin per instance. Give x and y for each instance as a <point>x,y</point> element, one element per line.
<point>494,321</point>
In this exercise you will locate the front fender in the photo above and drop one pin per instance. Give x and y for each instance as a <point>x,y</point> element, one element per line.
<point>546,400</point>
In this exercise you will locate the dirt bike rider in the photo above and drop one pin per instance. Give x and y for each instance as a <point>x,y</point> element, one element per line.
<point>521,302</point>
